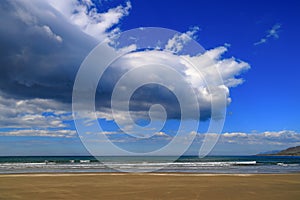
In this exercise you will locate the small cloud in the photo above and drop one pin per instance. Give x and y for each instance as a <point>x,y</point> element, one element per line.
<point>176,44</point>
<point>50,33</point>
<point>161,134</point>
<point>234,134</point>
<point>272,33</point>
<point>261,41</point>
<point>40,133</point>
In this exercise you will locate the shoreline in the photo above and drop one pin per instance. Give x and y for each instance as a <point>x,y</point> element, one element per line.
<point>35,174</point>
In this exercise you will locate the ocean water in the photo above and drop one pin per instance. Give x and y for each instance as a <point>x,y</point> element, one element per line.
<point>188,164</point>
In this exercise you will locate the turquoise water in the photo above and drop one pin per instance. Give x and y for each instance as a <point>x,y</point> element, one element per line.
<point>189,164</point>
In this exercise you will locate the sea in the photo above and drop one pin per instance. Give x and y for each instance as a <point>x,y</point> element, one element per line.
<point>184,164</point>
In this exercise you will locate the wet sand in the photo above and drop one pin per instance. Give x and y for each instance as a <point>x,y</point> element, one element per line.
<point>149,186</point>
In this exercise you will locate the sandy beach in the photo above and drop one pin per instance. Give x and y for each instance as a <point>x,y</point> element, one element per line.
<point>149,186</point>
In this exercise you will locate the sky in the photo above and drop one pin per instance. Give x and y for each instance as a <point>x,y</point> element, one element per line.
<point>253,45</point>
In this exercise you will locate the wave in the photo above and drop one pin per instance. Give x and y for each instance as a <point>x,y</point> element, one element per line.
<point>88,164</point>
<point>288,164</point>
<point>185,164</point>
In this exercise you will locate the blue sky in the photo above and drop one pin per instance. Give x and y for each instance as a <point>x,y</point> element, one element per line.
<point>44,43</point>
<point>268,100</point>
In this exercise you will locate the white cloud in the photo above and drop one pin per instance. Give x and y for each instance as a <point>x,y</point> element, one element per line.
<point>163,134</point>
<point>231,143</point>
<point>39,132</point>
<point>211,65</point>
<point>243,143</point>
<point>272,33</point>
<point>177,43</point>
<point>229,135</point>
<point>284,137</point>
<point>210,61</point>
<point>46,41</point>
<point>50,62</point>
<point>86,17</point>
<point>50,34</point>
<point>29,113</point>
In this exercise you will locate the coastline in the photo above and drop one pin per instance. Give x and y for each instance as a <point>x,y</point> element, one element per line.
<point>149,186</point>
<point>188,174</point>
<point>184,164</point>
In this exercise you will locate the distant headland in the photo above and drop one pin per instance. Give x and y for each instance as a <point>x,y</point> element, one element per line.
<point>292,151</point>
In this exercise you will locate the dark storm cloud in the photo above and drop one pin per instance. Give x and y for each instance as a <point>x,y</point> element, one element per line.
<point>42,48</point>
<point>40,51</point>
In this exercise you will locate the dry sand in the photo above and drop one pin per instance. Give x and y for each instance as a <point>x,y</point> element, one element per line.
<point>149,186</point>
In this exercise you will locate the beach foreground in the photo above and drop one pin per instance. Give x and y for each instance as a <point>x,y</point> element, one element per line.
<point>149,186</point>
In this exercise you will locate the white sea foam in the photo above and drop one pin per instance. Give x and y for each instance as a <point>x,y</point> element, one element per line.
<point>192,165</point>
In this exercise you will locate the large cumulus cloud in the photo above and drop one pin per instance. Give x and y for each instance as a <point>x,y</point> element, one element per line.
<point>217,75</point>
<point>42,45</point>
<point>44,42</point>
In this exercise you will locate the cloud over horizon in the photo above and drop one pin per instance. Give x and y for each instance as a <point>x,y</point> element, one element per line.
<point>231,143</point>
<point>42,53</point>
<point>43,50</point>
